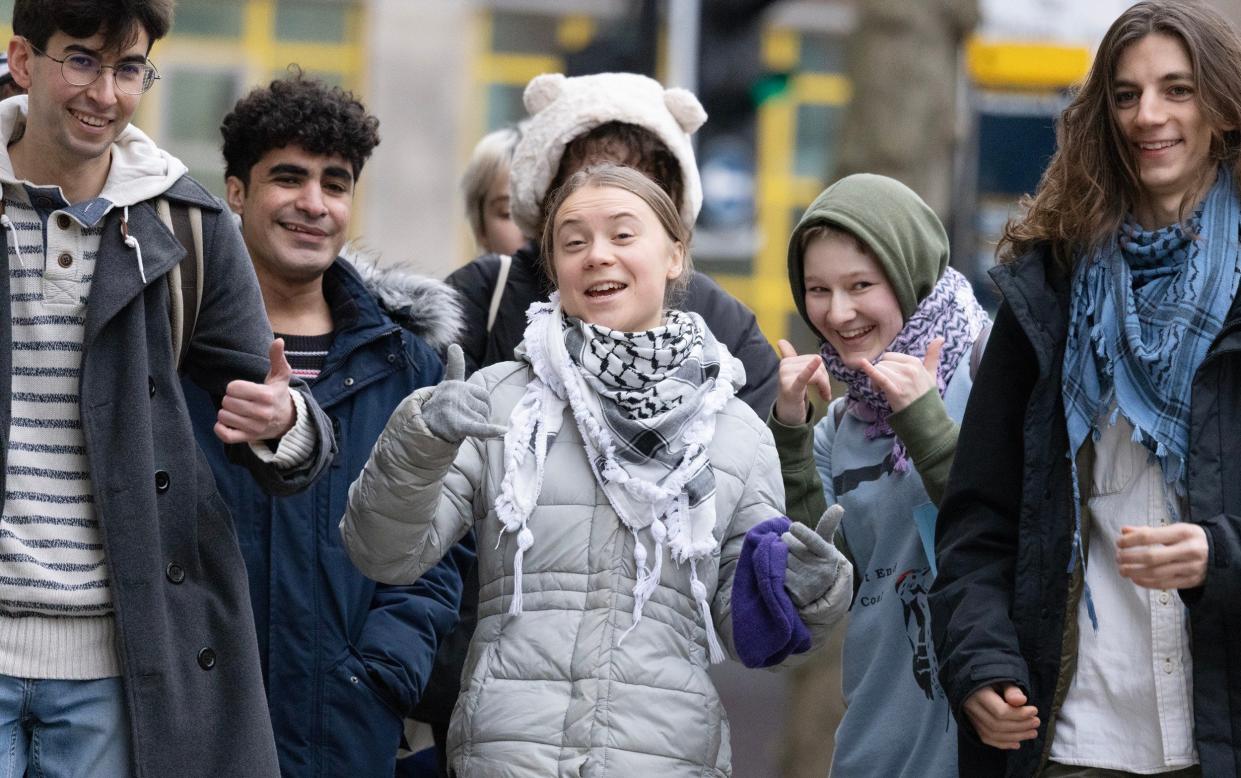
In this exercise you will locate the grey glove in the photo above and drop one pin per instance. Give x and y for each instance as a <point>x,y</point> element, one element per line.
<point>813,561</point>
<point>457,410</point>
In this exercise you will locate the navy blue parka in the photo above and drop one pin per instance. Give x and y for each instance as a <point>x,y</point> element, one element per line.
<point>344,659</point>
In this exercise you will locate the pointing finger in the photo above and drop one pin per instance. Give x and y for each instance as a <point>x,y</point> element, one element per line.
<point>805,376</point>
<point>876,376</point>
<point>934,351</point>
<point>821,382</point>
<point>483,430</point>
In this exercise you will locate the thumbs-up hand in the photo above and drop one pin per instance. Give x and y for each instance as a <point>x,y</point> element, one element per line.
<point>252,412</point>
<point>904,378</point>
<point>797,373</point>
<point>457,410</point>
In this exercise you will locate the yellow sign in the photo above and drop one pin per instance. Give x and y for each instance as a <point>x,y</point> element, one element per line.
<point>1026,65</point>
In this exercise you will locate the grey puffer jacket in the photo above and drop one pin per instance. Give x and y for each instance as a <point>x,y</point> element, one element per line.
<point>553,691</point>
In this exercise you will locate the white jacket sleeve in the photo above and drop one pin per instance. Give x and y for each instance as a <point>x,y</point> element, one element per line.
<point>414,499</point>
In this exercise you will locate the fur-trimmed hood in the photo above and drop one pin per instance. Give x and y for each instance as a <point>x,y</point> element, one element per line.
<point>426,307</point>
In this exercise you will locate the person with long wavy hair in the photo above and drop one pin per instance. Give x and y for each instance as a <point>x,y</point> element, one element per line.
<point>1088,539</point>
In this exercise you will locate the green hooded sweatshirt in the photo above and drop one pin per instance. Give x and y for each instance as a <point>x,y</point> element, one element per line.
<point>898,721</point>
<point>911,245</point>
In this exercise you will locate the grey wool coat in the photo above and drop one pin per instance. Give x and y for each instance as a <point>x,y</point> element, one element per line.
<point>185,634</point>
<point>553,691</point>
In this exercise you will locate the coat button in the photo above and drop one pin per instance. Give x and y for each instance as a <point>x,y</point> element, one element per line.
<point>349,381</point>
<point>162,480</point>
<point>392,359</point>
<point>65,259</point>
<point>175,572</point>
<point>62,221</point>
<point>206,658</point>
<point>151,385</point>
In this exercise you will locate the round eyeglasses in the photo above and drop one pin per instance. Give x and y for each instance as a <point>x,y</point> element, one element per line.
<point>81,69</point>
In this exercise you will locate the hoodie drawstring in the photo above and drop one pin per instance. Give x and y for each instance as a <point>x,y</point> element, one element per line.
<point>131,242</point>
<point>7,224</point>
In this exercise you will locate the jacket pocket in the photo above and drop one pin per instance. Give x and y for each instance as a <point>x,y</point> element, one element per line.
<point>360,732</point>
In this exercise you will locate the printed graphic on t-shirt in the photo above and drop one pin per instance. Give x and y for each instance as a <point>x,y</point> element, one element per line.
<point>849,480</point>
<point>912,587</point>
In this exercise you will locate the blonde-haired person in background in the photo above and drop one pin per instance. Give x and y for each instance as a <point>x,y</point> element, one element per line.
<point>485,188</point>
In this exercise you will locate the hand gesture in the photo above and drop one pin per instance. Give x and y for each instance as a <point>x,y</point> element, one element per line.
<point>796,373</point>
<point>1171,557</point>
<point>252,412</point>
<point>903,378</point>
<point>1001,717</point>
<point>813,561</point>
<point>458,410</point>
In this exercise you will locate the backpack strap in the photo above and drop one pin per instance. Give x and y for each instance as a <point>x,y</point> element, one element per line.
<point>497,293</point>
<point>980,345</point>
<point>184,280</point>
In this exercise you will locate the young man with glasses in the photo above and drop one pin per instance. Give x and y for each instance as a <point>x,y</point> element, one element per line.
<point>126,641</point>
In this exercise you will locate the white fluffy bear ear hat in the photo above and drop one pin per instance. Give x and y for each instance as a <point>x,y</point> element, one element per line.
<point>562,109</point>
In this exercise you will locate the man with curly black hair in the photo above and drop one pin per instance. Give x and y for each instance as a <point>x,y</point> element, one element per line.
<point>343,657</point>
<point>126,642</point>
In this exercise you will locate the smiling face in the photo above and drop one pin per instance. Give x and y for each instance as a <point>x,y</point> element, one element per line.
<point>849,299</point>
<point>1160,115</point>
<point>294,212</point>
<point>75,124</point>
<point>612,259</point>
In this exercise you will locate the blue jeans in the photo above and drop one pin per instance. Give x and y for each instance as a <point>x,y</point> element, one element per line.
<point>63,729</point>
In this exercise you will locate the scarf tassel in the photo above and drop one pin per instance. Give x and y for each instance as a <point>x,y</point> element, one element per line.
<point>525,539</point>
<point>647,581</point>
<point>1078,551</point>
<point>714,650</point>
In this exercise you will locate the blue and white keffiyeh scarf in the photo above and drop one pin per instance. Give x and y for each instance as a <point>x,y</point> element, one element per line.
<point>1143,313</point>
<point>645,405</point>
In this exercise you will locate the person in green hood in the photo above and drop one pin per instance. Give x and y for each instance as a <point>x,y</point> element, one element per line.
<point>868,268</point>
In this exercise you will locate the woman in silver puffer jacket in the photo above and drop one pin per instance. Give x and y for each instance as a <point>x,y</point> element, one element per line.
<point>611,477</point>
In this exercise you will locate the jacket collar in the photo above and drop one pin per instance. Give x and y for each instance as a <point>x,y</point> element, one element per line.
<point>1037,292</point>
<point>117,276</point>
<point>358,322</point>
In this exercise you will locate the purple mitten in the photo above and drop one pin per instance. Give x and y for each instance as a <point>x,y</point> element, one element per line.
<point>766,627</point>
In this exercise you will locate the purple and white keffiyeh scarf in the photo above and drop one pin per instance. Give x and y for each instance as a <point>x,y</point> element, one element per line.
<point>950,312</point>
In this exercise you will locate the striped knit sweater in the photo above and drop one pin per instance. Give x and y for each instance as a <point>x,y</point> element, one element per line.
<point>307,354</point>
<point>51,555</point>
<point>56,617</point>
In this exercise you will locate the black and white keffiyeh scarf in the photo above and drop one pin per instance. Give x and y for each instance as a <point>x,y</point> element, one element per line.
<point>645,405</point>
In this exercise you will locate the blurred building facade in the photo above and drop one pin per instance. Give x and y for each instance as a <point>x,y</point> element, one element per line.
<point>775,76</point>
